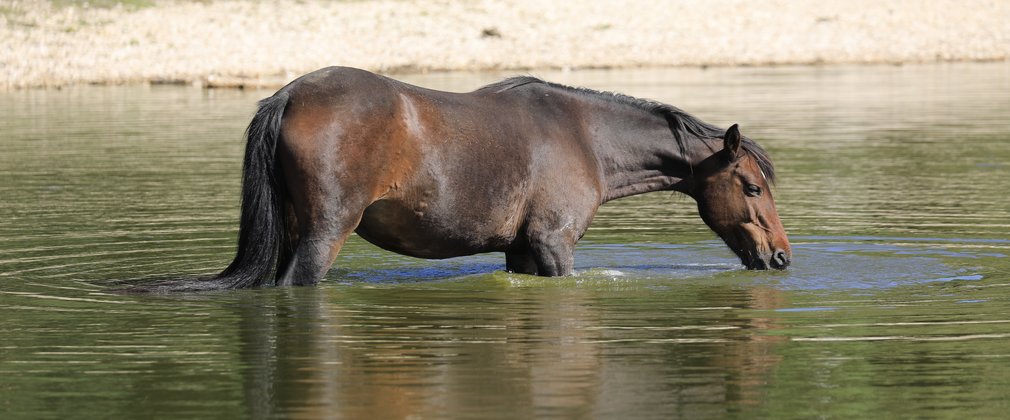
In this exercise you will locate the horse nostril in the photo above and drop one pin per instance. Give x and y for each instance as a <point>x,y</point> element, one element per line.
<point>780,259</point>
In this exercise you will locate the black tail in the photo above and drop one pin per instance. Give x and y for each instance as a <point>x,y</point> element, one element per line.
<point>262,223</point>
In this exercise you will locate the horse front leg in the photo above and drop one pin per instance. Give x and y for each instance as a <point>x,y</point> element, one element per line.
<point>554,254</point>
<point>552,246</point>
<point>553,231</point>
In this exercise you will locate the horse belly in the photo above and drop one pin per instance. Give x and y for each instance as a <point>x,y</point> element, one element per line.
<point>432,231</point>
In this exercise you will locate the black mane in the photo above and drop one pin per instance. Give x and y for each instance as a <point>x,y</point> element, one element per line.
<point>681,123</point>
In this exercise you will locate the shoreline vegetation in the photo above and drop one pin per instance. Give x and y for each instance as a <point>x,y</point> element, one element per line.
<point>266,43</point>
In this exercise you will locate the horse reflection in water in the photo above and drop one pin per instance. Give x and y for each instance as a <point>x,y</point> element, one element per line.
<point>519,166</point>
<point>393,353</point>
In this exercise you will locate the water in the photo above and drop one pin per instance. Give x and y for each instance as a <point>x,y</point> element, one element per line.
<point>893,189</point>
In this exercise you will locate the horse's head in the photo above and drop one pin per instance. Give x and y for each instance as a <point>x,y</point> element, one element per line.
<point>735,200</point>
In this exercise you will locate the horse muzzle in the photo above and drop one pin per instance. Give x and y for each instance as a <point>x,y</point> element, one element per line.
<point>779,260</point>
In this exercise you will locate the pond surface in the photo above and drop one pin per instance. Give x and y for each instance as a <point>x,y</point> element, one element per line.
<point>893,187</point>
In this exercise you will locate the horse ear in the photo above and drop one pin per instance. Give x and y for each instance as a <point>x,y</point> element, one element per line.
<point>731,142</point>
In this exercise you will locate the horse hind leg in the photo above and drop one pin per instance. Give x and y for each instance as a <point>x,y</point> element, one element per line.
<point>313,253</point>
<point>289,240</point>
<point>314,237</point>
<point>310,261</point>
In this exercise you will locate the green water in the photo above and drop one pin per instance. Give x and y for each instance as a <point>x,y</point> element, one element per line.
<point>893,187</point>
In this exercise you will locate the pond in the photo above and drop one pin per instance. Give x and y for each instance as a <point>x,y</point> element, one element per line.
<point>893,187</point>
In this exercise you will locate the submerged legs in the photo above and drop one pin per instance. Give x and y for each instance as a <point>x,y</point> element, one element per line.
<point>311,260</point>
<point>546,262</point>
<point>544,252</point>
<point>554,254</point>
<point>315,237</point>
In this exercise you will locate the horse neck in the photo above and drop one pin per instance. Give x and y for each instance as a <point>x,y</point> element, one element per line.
<point>638,152</point>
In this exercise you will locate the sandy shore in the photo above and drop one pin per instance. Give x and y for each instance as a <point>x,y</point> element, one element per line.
<point>268,42</point>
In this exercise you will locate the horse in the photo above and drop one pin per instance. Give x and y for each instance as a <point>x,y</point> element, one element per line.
<point>519,166</point>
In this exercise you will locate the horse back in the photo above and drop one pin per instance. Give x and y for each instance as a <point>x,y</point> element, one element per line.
<point>465,168</point>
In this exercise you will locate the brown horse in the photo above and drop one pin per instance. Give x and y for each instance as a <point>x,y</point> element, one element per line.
<point>519,167</point>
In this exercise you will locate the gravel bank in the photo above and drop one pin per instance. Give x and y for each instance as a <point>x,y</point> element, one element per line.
<point>267,42</point>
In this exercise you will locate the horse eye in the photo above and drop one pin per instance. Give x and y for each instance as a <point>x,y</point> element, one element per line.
<point>752,190</point>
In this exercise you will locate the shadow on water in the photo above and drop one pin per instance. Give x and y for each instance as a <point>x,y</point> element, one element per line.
<point>825,263</point>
